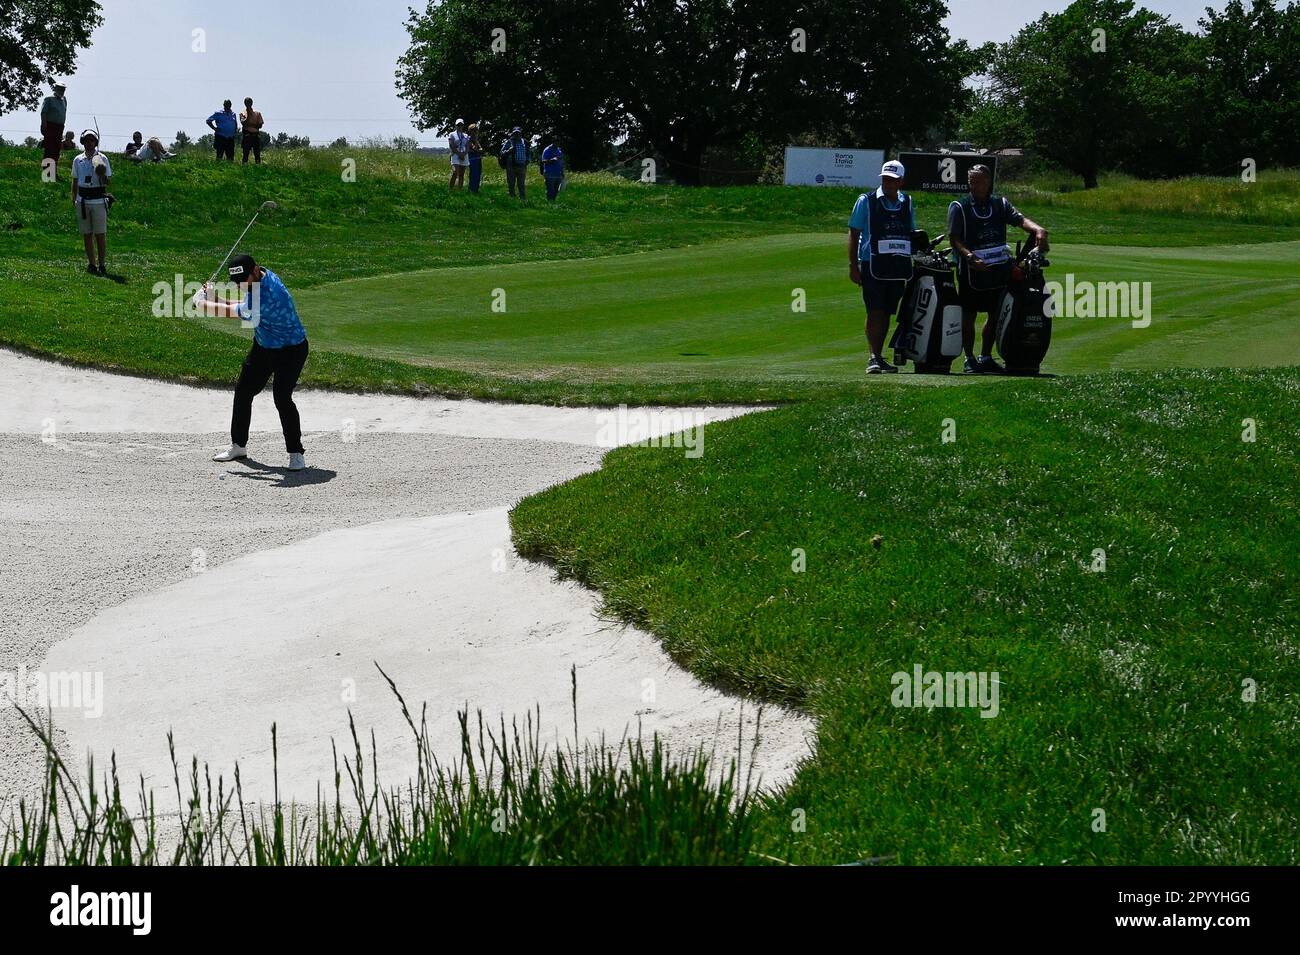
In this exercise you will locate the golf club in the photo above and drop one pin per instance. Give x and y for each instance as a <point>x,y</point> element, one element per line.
<point>269,204</point>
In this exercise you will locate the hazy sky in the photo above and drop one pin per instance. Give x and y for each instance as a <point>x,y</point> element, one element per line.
<point>320,68</point>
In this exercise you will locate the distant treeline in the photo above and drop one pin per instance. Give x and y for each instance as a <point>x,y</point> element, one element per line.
<point>1104,84</point>
<point>1107,86</point>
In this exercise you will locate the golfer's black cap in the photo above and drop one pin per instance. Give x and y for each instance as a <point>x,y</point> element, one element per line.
<point>241,268</point>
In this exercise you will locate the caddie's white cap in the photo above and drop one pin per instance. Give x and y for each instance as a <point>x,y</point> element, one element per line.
<point>460,122</point>
<point>894,169</point>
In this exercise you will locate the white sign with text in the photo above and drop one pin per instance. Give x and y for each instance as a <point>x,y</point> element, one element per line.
<point>859,168</point>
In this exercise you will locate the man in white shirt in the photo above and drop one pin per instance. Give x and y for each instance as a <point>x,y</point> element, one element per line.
<point>459,143</point>
<point>91,178</point>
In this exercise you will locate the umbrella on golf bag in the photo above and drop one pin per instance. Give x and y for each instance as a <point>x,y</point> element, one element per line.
<point>928,332</point>
<point>1024,327</point>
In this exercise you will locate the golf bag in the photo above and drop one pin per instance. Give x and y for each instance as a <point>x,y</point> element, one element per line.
<point>1024,325</point>
<point>928,332</point>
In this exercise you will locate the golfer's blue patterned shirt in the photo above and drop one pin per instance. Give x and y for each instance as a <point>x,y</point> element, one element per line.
<point>276,323</point>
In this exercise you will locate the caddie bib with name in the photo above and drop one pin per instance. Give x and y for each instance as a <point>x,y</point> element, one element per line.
<point>891,239</point>
<point>986,236</point>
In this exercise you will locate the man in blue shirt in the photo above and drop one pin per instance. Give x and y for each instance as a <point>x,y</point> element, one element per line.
<point>279,349</point>
<point>553,170</point>
<point>224,125</point>
<point>514,154</point>
<point>880,256</point>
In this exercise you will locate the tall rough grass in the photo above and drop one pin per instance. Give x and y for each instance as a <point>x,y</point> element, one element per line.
<point>507,800</point>
<point>1273,199</point>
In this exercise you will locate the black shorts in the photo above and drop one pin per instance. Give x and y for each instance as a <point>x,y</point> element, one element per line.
<point>976,300</point>
<point>880,295</point>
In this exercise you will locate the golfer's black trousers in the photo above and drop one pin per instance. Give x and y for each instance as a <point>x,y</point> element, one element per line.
<point>286,365</point>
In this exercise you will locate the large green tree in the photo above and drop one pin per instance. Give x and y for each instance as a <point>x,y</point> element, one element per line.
<point>707,73</point>
<point>679,78</point>
<point>39,41</point>
<point>550,70</point>
<point>1250,83</point>
<point>1103,84</point>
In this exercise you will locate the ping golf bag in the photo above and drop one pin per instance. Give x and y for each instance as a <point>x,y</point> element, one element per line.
<point>928,333</point>
<point>1024,326</point>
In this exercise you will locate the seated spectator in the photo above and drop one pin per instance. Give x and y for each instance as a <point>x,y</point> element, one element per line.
<point>152,151</point>
<point>135,145</point>
<point>69,144</point>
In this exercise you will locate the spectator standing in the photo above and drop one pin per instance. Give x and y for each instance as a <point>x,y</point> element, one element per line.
<point>459,143</point>
<point>475,159</point>
<point>252,122</point>
<point>224,124</point>
<point>54,114</point>
<point>553,170</point>
<point>514,156</point>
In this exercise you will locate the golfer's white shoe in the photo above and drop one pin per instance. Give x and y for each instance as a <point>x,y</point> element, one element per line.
<point>296,462</point>
<point>231,453</point>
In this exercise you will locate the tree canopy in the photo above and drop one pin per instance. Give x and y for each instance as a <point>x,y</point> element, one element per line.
<point>39,41</point>
<point>681,77</point>
<point>1106,84</point>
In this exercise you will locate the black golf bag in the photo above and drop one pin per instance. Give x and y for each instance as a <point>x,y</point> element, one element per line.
<point>1024,326</point>
<point>928,332</point>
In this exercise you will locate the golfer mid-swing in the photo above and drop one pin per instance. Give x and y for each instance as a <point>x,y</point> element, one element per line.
<point>279,349</point>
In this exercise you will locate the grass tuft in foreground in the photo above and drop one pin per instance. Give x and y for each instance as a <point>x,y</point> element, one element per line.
<point>505,801</point>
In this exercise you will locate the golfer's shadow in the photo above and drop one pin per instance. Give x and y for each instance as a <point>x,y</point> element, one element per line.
<point>282,476</point>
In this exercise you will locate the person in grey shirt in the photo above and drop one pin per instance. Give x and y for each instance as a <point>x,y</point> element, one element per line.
<point>977,232</point>
<point>54,115</point>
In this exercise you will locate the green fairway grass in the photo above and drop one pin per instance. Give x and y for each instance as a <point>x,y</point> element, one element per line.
<point>1120,691</point>
<point>724,311</point>
<point>621,292</point>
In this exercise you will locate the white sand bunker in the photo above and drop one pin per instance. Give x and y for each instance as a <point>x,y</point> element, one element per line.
<point>36,394</point>
<point>291,636</point>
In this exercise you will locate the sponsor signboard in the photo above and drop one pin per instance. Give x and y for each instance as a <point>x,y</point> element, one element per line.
<point>942,172</point>
<point>858,168</point>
